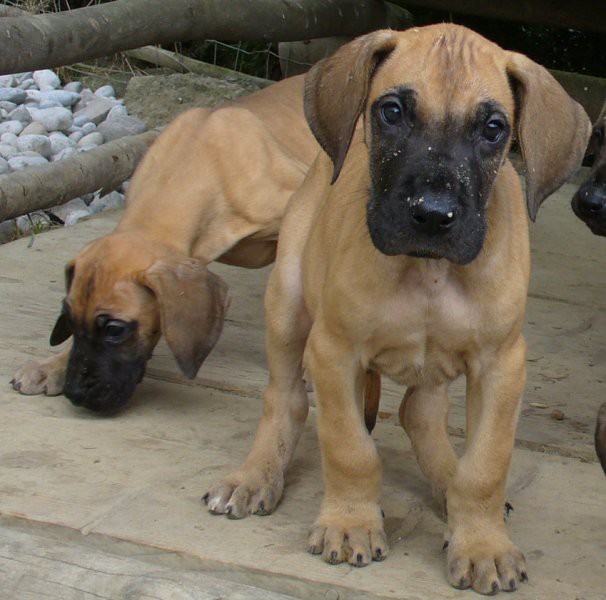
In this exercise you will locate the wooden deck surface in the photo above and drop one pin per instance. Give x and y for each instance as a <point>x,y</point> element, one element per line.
<point>96,507</point>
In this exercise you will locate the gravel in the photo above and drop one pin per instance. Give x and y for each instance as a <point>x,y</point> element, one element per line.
<point>42,120</point>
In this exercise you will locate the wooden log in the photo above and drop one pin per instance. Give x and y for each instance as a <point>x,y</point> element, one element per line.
<point>106,168</point>
<point>55,39</point>
<point>12,11</point>
<point>582,14</point>
<point>183,64</point>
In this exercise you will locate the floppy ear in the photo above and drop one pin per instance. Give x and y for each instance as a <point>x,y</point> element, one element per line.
<point>336,89</point>
<point>62,329</point>
<point>552,128</point>
<point>193,302</point>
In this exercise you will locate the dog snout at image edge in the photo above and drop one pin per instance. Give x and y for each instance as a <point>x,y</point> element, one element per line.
<point>589,204</point>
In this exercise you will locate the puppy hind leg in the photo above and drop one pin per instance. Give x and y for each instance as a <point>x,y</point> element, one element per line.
<point>257,486</point>
<point>424,417</point>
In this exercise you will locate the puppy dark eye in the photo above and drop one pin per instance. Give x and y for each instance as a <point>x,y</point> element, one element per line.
<point>598,135</point>
<point>391,112</point>
<point>493,130</point>
<point>113,331</point>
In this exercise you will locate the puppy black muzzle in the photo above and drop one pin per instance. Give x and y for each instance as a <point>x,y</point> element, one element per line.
<point>425,224</point>
<point>101,380</point>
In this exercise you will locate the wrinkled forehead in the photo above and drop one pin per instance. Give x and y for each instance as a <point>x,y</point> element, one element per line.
<point>102,279</point>
<point>451,72</point>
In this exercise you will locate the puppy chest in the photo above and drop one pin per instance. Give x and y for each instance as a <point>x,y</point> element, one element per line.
<point>426,341</point>
<point>425,362</point>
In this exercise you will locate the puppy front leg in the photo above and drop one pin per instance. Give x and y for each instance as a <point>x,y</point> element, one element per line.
<point>480,553</point>
<point>350,524</point>
<point>257,486</point>
<point>43,377</point>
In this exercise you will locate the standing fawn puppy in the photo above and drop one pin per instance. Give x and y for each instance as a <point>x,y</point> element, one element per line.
<point>405,253</point>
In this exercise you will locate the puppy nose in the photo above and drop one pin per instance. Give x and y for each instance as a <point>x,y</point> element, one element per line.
<point>591,200</point>
<point>434,214</point>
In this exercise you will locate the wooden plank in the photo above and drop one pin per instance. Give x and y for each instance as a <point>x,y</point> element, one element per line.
<point>136,479</point>
<point>33,566</point>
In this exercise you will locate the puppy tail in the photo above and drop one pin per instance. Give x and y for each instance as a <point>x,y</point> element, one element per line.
<point>600,436</point>
<point>372,395</point>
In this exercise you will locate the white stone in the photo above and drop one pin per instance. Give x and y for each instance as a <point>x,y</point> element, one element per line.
<point>49,104</point>
<point>36,220</point>
<point>9,138</point>
<point>34,128</point>
<point>46,80</point>
<point>63,210</point>
<point>59,141</point>
<point>28,84</point>
<point>109,201</point>
<point>120,126</point>
<point>35,143</point>
<point>22,161</point>
<point>81,120</point>
<point>3,114</point>
<point>86,95</point>
<point>76,136</point>
<point>8,231</point>
<point>76,216</point>
<point>96,110</point>
<point>8,106</point>
<point>95,138</point>
<point>4,168</point>
<point>63,97</point>
<point>7,151</point>
<point>74,86</point>
<point>7,80</point>
<point>105,91</point>
<point>33,96</point>
<point>88,128</point>
<point>21,114</point>
<point>12,95</point>
<point>117,111</point>
<point>65,153</point>
<point>15,127</point>
<point>54,119</point>
<point>21,77</point>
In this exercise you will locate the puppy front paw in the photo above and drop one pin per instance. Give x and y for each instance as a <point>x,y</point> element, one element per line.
<point>244,493</point>
<point>486,561</point>
<point>44,377</point>
<point>354,536</point>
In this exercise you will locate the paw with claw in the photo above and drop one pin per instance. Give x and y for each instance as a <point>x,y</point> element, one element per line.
<point>45,377</point>
<point>486,561</point>
<point>244,493</point>
<point>352,534</point>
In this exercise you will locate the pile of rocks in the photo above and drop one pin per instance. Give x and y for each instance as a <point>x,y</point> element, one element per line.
<point>42,121</point>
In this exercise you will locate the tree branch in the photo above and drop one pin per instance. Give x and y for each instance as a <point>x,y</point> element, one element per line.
<point>106,167</point>
<point>55,39</point>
